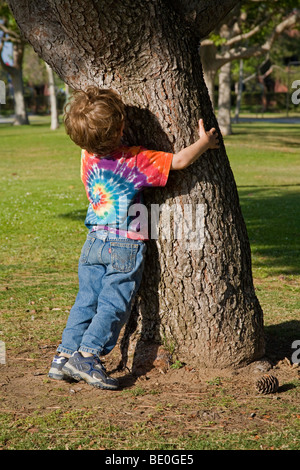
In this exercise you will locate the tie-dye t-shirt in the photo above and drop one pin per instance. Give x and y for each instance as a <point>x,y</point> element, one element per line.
<point>114,183</point>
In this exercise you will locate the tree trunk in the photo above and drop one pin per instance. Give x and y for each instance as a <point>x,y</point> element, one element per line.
<point>16,74</point>
<point>21,117</point>
<point>210,66</point>
<point>239,92</point>
<point>2,93</point>
<point>224,99</point>
<point>53,101</point>
<point>197,295</point>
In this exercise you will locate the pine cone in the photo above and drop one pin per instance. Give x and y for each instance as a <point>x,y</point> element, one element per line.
<point>267,384</point>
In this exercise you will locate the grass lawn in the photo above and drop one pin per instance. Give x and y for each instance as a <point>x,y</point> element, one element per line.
<point>42,209</point>
<point>266,163</point>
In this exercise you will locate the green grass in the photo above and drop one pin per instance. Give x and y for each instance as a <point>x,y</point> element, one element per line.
<point>265,159</point>
<point>42,209</point>
<point>37,433</point>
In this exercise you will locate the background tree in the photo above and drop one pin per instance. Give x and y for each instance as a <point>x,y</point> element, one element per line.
<point>39,76</point>
<point>11,33</point>
<point>53,101</point>
<point>198,299</point>
<point>250,30</point>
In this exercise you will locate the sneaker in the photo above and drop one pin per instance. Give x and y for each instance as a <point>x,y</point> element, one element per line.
<point>89,369</point>
<point>55,371</point>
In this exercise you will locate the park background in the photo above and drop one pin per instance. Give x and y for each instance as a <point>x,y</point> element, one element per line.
<point>42,200</point>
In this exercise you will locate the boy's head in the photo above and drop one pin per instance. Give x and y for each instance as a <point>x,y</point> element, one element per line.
<point>94,119</point>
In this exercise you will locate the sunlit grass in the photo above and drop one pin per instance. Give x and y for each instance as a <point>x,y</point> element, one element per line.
<point>265,159</point>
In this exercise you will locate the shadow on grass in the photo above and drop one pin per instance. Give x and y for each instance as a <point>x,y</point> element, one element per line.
<point>280,339</point>
<point>74,215</point>
<point>272,216</point>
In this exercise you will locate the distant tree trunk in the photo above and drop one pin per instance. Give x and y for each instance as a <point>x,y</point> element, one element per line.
<point>239,92</point>
<point>224,99</point>
<point>15,71</point>
<point>197,295</point>
<point>53,101</point>
<point>210,66</point>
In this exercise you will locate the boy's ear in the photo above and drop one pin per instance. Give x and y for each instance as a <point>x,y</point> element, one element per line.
<point>122,128</point>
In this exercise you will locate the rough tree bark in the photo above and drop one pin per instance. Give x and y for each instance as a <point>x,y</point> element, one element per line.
<point>198,300</point>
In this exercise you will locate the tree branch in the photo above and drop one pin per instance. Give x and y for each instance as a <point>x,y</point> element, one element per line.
<point>248,35</point>
<point>246,53</point>
<point>42,29</point>
<point>289,22</point>
<point>10,35</point>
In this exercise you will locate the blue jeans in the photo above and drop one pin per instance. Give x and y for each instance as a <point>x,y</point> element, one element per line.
<point>110,272</point>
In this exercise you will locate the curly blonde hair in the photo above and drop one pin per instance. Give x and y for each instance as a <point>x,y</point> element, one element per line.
<point>94,119</point>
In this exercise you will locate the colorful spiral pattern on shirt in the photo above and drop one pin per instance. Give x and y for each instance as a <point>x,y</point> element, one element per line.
<point>108,195</point>
<point>113,182</point>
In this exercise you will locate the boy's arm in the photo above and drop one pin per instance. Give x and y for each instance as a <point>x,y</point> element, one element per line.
<point>188,155</point>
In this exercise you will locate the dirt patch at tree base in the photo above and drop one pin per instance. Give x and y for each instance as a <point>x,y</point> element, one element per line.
<point>181,401</point>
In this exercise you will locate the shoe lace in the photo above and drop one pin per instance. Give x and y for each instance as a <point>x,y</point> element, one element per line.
<point>98,363</point>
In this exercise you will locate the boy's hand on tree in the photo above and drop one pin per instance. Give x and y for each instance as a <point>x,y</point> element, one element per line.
<point>210,138</point>
<point>188,155</point>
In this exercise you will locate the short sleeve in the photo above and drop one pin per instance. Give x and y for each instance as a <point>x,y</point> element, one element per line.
<point>83,164</point>
<point>155,165</point>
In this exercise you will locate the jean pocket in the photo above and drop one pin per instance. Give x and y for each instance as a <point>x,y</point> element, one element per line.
<point>123,256</point>
<point>86,250</point>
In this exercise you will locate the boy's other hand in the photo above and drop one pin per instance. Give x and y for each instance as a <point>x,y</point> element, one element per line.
<point>188,155</point>
<point>211,138</point>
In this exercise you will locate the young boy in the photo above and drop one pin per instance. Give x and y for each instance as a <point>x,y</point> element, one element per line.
<point>111,262</point>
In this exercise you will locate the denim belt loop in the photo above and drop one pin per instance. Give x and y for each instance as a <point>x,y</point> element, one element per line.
<point>101,234</point>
